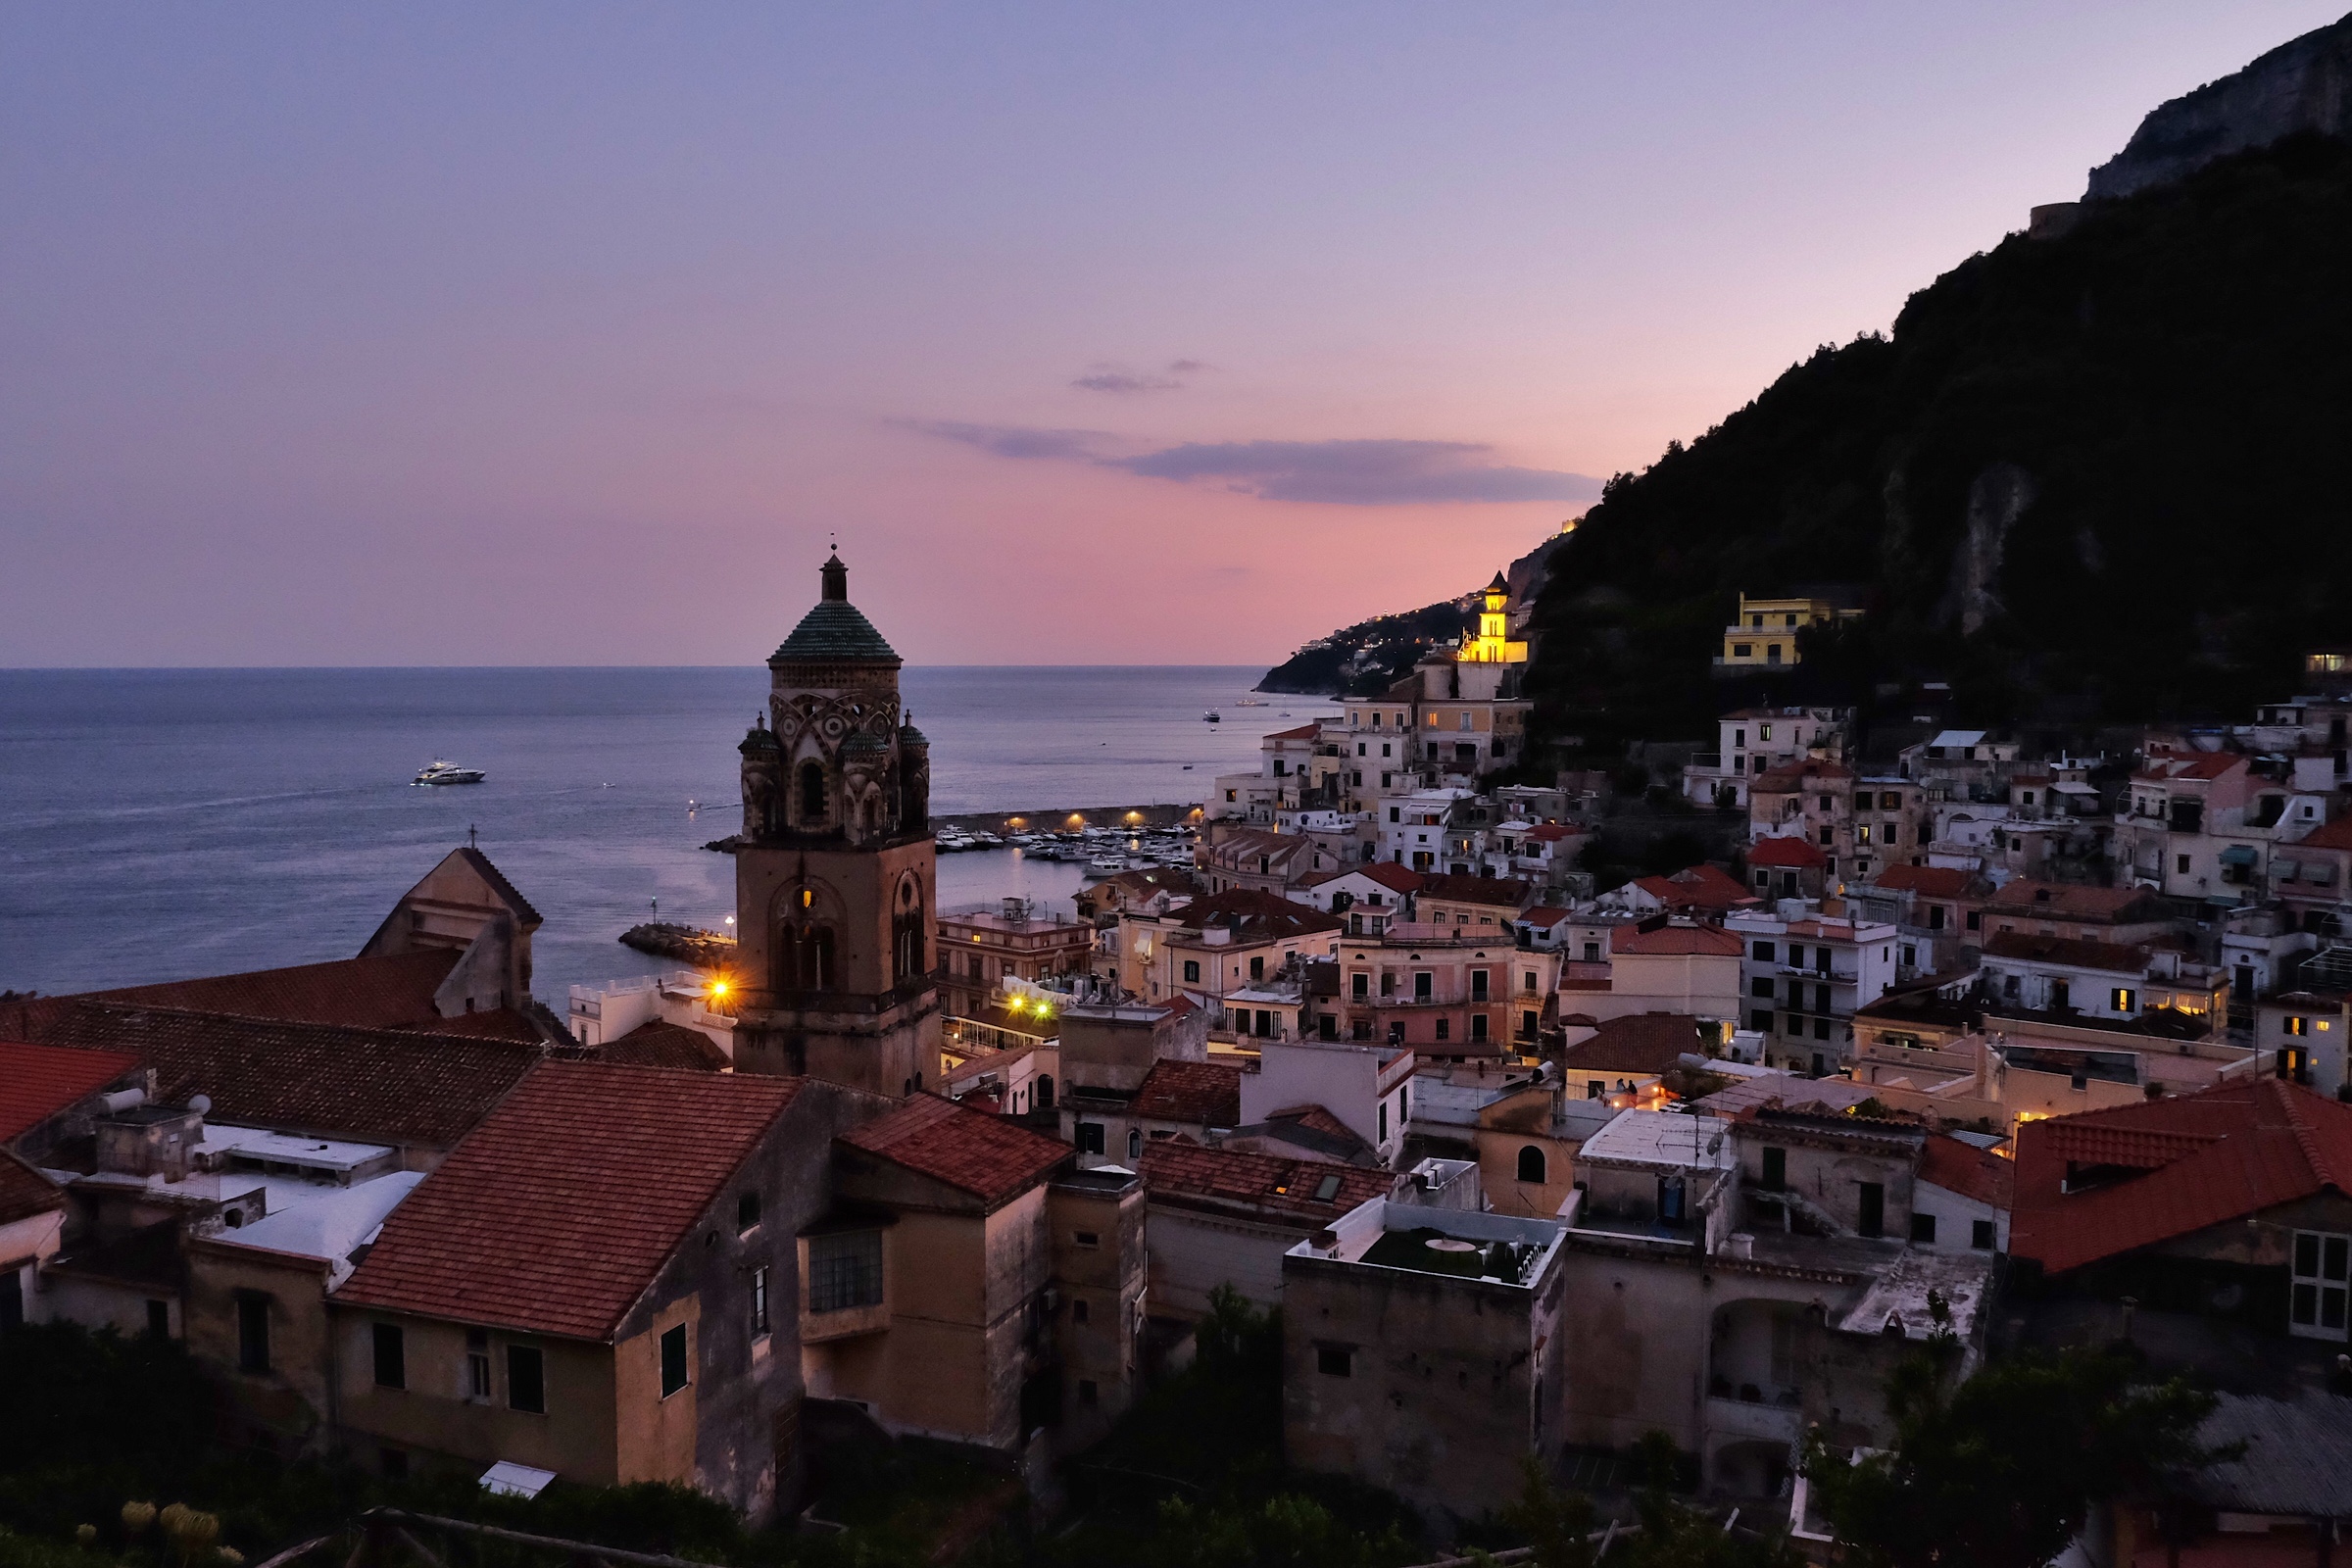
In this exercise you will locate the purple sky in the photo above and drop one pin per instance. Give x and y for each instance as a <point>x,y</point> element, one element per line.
<point>452,334</point>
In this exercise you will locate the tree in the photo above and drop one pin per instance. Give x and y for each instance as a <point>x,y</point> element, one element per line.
<point>2001,1471</point>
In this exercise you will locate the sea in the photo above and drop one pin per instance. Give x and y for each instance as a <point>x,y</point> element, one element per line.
<point>163,824</point>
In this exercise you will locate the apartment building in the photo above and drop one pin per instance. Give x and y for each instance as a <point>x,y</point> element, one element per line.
<point>1803,978</point>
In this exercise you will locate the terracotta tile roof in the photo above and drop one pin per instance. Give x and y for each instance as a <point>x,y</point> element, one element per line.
<point>1645,1042</point>
<point>985,1155</point>
<point>1554,832</point>
<point>494,1023</point>
<point>1678,939</point>
<point>1542,916</point>
<point>382,1085</point>
<point>1792,853</point>
<point>2066,901</point>
<point>369,993</point>
<point>23,1193</point>
<point>561,1208</point>
<point>2202,765</point>
<point>36,1082</point>
<point>1929,881</point>
<point>2335,835</point>
<point>664,1044</point>
<point>1305,732</point>
<point>1696,887</point>
<point>1207,1093</point>
<point>1255,917</point>
<point>1388,874</point>
<point>1787,775</point>
<point>2073,952</point>
<point>2209,1159</point>
<point>1142,884</point>
<point>1228,1177</point>
<point>1315,1118</point>
<point>1970,1171</point>
<point>1500,892</point>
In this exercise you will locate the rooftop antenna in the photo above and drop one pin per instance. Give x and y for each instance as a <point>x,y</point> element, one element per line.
<point>472,839</point>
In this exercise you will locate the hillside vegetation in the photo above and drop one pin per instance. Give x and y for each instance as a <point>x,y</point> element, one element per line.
<point>2103,475</point>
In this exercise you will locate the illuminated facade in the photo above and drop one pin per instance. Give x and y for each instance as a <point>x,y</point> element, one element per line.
<point>1763,636</point>
<point>1491,643</point>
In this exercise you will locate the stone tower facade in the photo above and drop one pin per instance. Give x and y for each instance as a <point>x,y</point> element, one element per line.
<point>835,872</point>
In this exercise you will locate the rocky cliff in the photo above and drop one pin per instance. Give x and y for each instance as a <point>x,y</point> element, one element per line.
<point>2305,85</point>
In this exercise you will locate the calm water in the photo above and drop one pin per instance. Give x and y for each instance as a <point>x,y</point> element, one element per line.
<point>156,824</point>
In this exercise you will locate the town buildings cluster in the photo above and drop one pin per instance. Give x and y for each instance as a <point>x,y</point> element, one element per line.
<point>1957,1043</point>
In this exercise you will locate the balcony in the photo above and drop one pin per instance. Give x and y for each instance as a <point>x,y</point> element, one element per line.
<point>1738,1418</point>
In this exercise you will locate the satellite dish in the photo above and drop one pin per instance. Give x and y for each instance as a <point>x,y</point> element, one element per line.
<point>200,1104</point>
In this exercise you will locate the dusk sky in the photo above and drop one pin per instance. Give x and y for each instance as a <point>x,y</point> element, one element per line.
<point>501,334</point>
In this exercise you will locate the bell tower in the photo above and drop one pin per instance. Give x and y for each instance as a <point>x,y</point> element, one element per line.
<point>835,872</point>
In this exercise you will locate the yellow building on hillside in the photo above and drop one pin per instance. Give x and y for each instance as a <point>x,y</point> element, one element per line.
<point>1764,634</point>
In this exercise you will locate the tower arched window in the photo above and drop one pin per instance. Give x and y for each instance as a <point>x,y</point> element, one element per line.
<point>908,957</point>
<point>1531,1164</point>
<point>812,793</point>
<point>804,958</point>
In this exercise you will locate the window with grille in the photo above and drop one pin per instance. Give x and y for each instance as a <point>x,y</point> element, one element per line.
<point>844,1270</point>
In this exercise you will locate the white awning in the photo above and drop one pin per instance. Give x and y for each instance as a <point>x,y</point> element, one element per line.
<point>515,1480</point>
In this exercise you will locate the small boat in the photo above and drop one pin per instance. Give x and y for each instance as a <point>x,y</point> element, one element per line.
<point>441,772</point>
<point>1106,865</point>
<point>1249,702</point>
<point>1212,716</point>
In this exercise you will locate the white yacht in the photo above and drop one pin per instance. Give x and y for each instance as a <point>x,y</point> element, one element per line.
<point>441,772</point>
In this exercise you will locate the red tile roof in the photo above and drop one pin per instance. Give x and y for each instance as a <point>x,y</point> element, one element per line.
<point>988,1156</point>
<point>2071,952</point>
<point>1255,917</point>
<point>1305,732</point>
<point>1696,887</point>
<point>1554,832</point>
<point>1792,853</point>
<point>561,1208</point>
<point>2067,900</point>
<point>2335,835</point>
<point>1929,881</point>
<point>36,1082</point>
<point>1642,1042</point>
<point>1179,1171</point>
<point>1787,775</point>
<point>1542,916</point>
<point>23,1193</point>
<point>664,1044</point>
<point>1208,1092</point>
<point>1388,874</point>
<point>2201,766</point>
<point>1963,1168</point>
<point>1695,941</point>
<point>382,1085</point>
<point>2209,1159</point>
<point>372,993</point>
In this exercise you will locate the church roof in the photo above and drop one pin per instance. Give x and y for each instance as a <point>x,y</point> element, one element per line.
<point>832,631</point>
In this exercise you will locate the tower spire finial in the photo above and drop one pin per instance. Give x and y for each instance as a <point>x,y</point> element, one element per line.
<point>835,578</point>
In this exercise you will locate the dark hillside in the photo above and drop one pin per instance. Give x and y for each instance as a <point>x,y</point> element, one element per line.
<point>2103,475</point>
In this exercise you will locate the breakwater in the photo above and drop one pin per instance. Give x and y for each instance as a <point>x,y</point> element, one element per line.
<point>1050,820</point>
